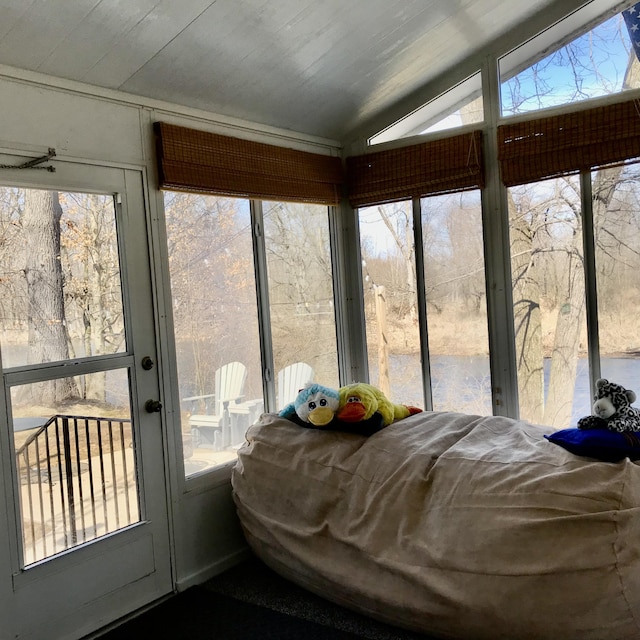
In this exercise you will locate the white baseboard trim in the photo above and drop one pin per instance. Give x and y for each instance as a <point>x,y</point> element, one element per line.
<point>213,569</point>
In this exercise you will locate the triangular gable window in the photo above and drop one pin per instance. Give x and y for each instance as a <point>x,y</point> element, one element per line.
<point>457,107</point>
<point>556,69</point>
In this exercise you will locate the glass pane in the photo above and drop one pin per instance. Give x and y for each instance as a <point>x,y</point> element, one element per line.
<point>301,297</point>
<point>216,324</point>
<point>600,62</point>
<point>549,301</point>
<point>60,286</point>
<point>75,461</point>
<point>470,111</point>
<point>616,214</point>
<point>456,303</point>
<point>391,312</point>
<point>461,105</point>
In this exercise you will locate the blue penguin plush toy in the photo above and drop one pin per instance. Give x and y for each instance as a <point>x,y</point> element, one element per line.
<point>314,406</point>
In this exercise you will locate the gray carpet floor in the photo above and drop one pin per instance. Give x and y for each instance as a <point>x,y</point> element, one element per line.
<point>253,582</point>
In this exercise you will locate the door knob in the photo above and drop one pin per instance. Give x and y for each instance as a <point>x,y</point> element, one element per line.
<point>153,406</point>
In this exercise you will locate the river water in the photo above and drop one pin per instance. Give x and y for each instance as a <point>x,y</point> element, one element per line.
<point>463,383</point>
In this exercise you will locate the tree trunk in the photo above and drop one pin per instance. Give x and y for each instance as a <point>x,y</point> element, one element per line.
<point>383,344</point>
<point>564,357</point>
<point>95,329</point>
<point>407,251</point>
<point>43,272</point>
<point>527,317</point>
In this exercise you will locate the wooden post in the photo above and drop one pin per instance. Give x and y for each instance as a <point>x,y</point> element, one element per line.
<point>383,345</point>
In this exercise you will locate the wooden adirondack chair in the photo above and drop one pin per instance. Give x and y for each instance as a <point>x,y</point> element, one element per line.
<point>212,427</point>
<point>290,380</point>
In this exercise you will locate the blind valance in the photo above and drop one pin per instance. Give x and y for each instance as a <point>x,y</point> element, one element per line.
<point>558,145</point>
<point>202,162</point>
<point>438,166</point>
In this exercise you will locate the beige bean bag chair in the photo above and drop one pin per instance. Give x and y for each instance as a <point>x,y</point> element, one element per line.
<point>454,525</point>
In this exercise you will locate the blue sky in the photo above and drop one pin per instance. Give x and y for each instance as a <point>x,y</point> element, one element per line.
<point>598,59</point>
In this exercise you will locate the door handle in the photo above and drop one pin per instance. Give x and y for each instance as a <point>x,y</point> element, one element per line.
<point>153,406</point>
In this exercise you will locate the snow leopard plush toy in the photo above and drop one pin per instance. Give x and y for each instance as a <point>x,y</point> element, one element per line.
<point>612,409</point>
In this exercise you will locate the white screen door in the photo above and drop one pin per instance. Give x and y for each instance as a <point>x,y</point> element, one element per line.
<point>81,441</point>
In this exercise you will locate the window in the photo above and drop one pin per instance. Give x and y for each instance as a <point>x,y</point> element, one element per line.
<point>456,302</point>
<point>391,311</point>
<point>461,105</point>
<point>81,229</point>
<point>549,300</point>
<point>215,323</point>
<point>457,373</point>
<point>301,301</point>
<point>548,258</point>
<point>599,62</point>
<point>616,203</point>
<point>214,287</point>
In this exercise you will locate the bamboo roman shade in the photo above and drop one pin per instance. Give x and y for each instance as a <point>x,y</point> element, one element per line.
<point>428,168</point>
<point>557,145</point>
<point>202,162</point>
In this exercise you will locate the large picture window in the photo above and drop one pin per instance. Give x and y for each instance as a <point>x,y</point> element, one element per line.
<point>449,359</point>
<point>216,274</point>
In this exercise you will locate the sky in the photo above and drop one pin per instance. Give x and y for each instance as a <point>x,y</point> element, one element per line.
<point>598,58</point>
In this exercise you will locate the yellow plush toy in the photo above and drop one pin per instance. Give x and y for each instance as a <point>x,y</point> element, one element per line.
<point>360,402</point>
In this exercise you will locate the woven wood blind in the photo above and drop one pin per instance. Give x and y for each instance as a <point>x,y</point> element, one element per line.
<point>429,168</point>
<point>558,145</point>
<point>202,162</point>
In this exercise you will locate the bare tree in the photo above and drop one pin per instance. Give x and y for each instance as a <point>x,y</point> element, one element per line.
<point>93,297</point>
<point>399,223</point>
<point>531,224</point>
<point>212,286</point>
<point>301,287</point>
<point>48,339</point>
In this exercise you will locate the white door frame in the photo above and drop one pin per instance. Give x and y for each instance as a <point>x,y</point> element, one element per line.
<point>84,588</point>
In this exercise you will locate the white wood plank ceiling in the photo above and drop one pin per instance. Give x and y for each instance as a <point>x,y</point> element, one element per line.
<point>318,67</point>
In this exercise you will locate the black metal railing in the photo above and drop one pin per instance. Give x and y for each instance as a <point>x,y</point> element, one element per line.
<point>78,482</point>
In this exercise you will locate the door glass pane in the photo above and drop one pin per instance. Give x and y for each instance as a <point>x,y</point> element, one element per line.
<point>61,298</point>
<point>549,301</point>
<point>60,286</point>
<point>391,312</point>
<point>616,207</point>
<point>215,323</point>
<point>456,303</point>
<point>75,461</point>
<point>300,297</point>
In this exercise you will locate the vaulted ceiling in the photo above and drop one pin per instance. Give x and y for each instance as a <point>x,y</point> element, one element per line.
<point>319,67</point>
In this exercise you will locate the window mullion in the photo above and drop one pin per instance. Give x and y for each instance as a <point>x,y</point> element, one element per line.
<point>422,303</point>
<point>349,295</point>
<point>591,296</point>
<point>496,246</point>
<point>262,295</point>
